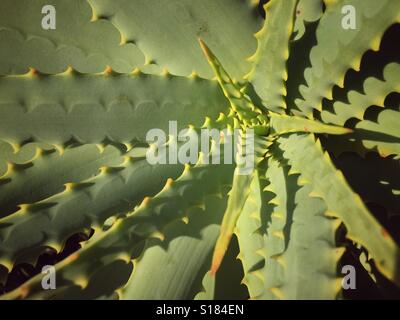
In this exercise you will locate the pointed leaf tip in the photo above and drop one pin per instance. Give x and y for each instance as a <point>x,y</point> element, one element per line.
<point>206,50</point>
<point>219,253</point>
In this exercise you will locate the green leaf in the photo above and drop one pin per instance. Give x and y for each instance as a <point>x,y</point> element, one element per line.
<point>48,223</point>
<point>240,103</point>
<point>13,155</point>
<point>78,41</point>
<point>241,189</point>
<point>31,182</point>
<point>196,187</point>
<point>307,11</point>
<point>237,198</point>
<point>276,216</point>
<point>298,61</point>
<point>373,94</point>
<point>384,134</point>
<point>249,238</point>
<point>281,124</point>
<point>340,49</point>
<point>169,40</point>
<point>169,269</point>
<point>102,107</point>
<point>287,244</point>
<point>208,288</point>
<point>307,157</point>
<point>269,73</point>
<point>311,258</point>
<point>226,284</point>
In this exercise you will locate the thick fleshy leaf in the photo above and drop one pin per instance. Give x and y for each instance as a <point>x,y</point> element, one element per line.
<point>384,135</point>
<point>340,49</point>
<point>91,35</point>
<point>307,11</point>
<point>227,283</point>
<point>237,198</point>
<point>241,189</point>
<point>287,244</point>
<point>103,107</point>
<point>250,239</point>
<point>194,189</point>
<point>208,288</point>
<point>48,223</point>
<point>169,40</point>
<point>312,256</point>
<point>170,271</point>
<point>79,41</point>
<point>240,103</point>
<point>281,124</point>
<point>48,171</point>
<point>373,94</point>
<point>269,73</point>
<point>12,155</point>
<point>306,156</point>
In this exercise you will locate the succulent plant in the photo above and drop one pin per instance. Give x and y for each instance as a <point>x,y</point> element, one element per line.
<point>76,104</point>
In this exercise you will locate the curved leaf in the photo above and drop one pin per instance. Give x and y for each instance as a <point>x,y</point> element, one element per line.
<point>307,11</point>
<point>237,198</point>
<point>12,156</point>
<point>307,157</point>
<point>97,108</point>
<point>269,74</point>
<point>182,260</point>
<point>194,188</point>
<point>340,49</point>
<point>48,223</point>
<point>78,41</point>
<point>169,40</point>
<point>240,103</point>
<point>374,93</point>
<point>281,124</point>
<point>250,239</point>
<point>31,182</point>
<point>383,134</point>
<point>294,236</point>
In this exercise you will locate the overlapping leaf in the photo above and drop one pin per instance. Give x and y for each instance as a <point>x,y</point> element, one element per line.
<point>103,107</point>
<point>307,157</point>
<point>340,49</point>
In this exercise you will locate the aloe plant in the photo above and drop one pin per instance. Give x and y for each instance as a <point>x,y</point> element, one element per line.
<point>77,102</point>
